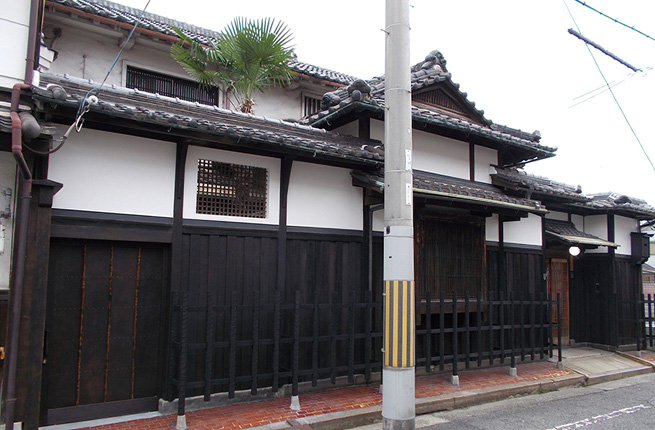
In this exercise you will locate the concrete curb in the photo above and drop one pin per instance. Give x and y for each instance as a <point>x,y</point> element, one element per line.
<point>372,415</point>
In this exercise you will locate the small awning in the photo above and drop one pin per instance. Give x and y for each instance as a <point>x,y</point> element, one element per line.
<point>566,232</point>
<point>440,187</point>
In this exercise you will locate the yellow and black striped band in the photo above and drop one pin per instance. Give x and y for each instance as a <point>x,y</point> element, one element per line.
<point>399,330</point>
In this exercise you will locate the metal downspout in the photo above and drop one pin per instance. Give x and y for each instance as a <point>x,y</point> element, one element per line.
<point>23,213</point>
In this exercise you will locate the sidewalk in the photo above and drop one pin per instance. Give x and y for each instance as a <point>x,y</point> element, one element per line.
<point>360,405</point>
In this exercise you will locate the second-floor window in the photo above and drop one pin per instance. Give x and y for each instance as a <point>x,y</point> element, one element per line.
<point>311,105</point>
<point>159,83</point>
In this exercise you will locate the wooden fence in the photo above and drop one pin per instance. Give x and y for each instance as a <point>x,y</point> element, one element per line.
<point>267,345</point>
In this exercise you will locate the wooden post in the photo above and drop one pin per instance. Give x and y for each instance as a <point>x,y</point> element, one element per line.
<point>33,311</point>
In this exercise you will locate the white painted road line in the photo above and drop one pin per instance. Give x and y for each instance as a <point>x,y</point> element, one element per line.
<point>599,418</point>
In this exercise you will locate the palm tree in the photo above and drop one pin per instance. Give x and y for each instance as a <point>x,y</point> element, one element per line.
<point>248,56</point>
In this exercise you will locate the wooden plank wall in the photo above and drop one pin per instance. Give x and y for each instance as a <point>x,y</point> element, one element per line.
<point>522,271</point>
<point>221,268</point>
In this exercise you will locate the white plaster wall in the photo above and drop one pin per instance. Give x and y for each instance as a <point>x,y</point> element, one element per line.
<point>350,129</point>
<point>484,158</point>
<point>14,27</point>
<point>378,220</point>
<point>278,103</point>
<point>196,153</point>
<point>7,182</point>
<point>596,225</point>
<point>622,228</point>
<point>106,172</point>
<point>578,221</point>
<point>491,228</point>
<point>527,231</point>
<point>87,55</point>
<point>323,196</point>
<point>377,130</point>
<point>560,216</point>
<point>442,155</point>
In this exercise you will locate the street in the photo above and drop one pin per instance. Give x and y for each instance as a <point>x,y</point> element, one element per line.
<point>624,404</point>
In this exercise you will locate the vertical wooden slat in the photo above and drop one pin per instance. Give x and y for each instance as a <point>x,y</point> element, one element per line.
<point>296,345</point>
<point>442,328</point>
<point>81,335</point>
<point>428,334</point>
<point>174,330</point>
<point>108,343</point>
<point>333,341</point>
<point>184,333</point>
<point>532,326</point>
<point>455,334</point>
<point>351,338</point>
<point>491,327</point>
<point>479,337</point>
<point>512,332</point>
<point>368,328</point>
<point>559,328</point>
<point>521,322</point>
<point>135,319</point>
<point>467,330</point>
<point>209,341</point>
<point>501,318</point>
<point>256,315</point>
<point>276,342</point>
<point>233,346</point>
<point>315,334</point>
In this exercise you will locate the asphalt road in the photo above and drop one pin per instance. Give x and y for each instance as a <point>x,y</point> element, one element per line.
<point>624,404</point>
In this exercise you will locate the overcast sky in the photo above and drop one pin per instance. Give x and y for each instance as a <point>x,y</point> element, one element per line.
<point>514,58</point>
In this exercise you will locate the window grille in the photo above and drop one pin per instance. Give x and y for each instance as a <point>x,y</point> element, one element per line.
<point>311,105</point>
<point>170,86</point>
<point>231,189</point>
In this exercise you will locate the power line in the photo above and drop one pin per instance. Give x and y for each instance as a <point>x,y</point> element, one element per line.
<point>613,19</point>
<point>603,50</point>
<point>612,92</point>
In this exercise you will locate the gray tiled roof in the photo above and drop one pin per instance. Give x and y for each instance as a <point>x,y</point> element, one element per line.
<point>538,186</point>
<point>566,232</point>
<point>371,94</point>
<point>150,108</point>
<point>449,188</point>
<point>163,25</point>
<point>620,204</point>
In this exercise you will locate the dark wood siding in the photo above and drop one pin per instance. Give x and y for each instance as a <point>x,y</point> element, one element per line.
<point>522,270</point>
<point>449,255</point>
<point>105,326</point>
<point>223,269</point>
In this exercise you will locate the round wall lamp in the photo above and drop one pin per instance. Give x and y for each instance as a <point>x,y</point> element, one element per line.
<point>574,251</point>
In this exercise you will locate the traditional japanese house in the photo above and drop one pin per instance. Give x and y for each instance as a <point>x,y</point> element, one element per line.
<point>176,248</point>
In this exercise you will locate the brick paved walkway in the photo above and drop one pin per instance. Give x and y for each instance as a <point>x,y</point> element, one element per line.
<point>245,415</point>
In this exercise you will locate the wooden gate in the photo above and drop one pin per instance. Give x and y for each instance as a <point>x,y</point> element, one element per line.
<point>104,329</point>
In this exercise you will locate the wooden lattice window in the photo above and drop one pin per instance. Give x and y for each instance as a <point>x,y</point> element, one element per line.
<point>231,189</point>
<point>311,105</point>
<point>170,86</point>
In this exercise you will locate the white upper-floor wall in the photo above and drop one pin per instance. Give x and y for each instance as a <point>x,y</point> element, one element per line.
<point>14,27</point>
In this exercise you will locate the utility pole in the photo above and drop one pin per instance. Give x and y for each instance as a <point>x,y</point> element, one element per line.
<point>398,404</point>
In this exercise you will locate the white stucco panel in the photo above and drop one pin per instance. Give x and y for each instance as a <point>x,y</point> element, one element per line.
<point>442,155</point>
<point>527,231</point>
<point>324,197</point>
<point>13,46</point>
<point>491,228</point>
<point>596,225</point>
<point>107,172</point>
<point>622,228</point>
<point>484,159</point>
<point>272,165</point>
<point>560,216</point>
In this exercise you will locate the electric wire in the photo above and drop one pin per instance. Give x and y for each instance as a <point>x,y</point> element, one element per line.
<point>614,19</point>
<point>634,133</point>
<point>85,104</point>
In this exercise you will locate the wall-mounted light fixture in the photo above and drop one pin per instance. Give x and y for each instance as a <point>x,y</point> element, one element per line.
<point>574,251</point>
